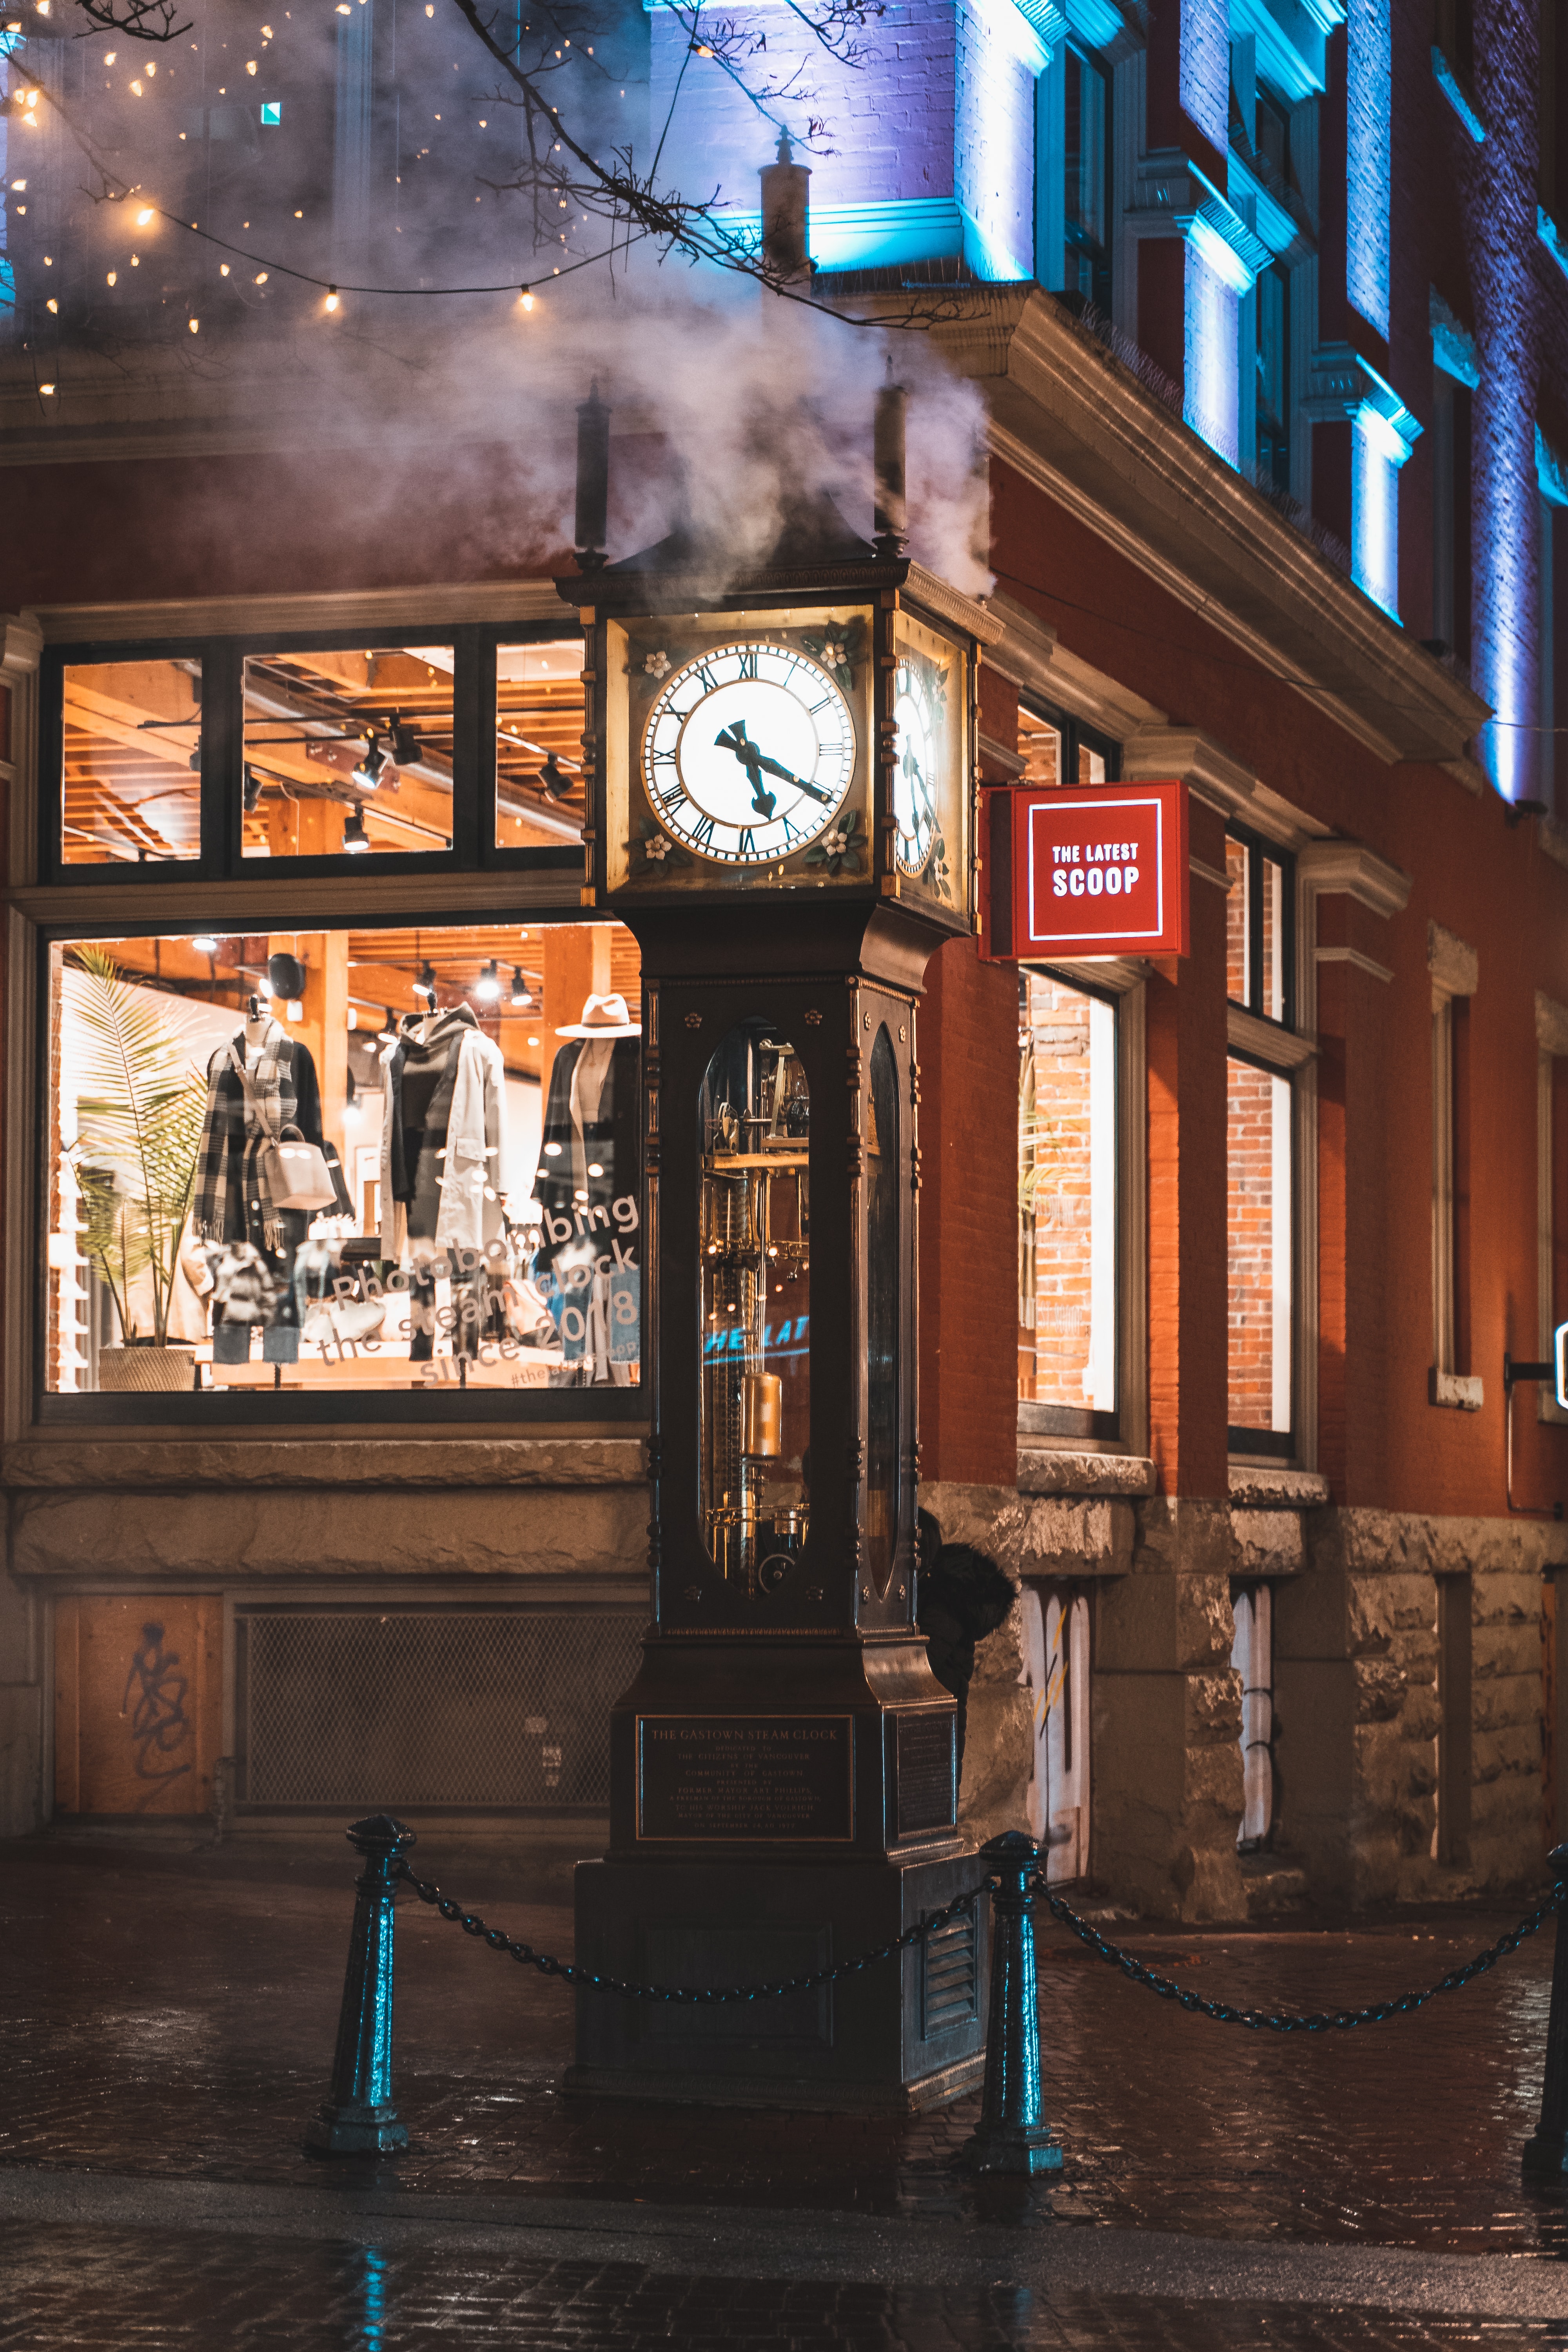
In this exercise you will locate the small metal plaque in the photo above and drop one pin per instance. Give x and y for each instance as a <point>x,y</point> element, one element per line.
<point>770,1779</point>
<point>927,1781</point>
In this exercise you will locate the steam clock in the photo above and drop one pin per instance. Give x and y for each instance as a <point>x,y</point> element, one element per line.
<point>782,815</point>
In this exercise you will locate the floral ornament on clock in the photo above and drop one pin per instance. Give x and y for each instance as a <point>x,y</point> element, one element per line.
<point>837,649</point>
<point>840,848</point>
<point>656,665</point>
<point>658,849</point>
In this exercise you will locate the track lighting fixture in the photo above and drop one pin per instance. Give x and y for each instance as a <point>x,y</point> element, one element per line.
<point>252,791</point>
<point>356,841</point>
<point>406,747</point>
<point>205,944</point>
<point>520,994</point>
<point>487,988</point>
<point>424,986</point>
<point>370,766</point>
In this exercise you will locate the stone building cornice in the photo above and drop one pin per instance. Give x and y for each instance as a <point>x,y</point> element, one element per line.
<point>1067,417</point>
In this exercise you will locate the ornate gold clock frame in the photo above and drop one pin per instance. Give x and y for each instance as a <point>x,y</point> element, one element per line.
<point>783,1783</point>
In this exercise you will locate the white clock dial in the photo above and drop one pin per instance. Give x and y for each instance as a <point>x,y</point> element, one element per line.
<point>748,753</point>
<point>915,775</point>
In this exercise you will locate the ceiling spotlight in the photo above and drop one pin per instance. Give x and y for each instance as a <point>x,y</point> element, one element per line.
<point>405,749</point>
<point>389,1028</point>
<point>520,994</point>
<point>205,944</point>
<point>556,782</point>
<point>194,761</point>
<point>370,766</point>
<point>424,986</point>
<point>487,988</point>
<point>252,791</point>
<point>356,841</point>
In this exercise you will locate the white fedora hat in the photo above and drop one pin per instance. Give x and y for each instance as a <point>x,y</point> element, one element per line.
<point>603,1016</point>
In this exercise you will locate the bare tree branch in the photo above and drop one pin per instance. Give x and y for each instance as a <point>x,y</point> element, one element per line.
<point>134,20</point>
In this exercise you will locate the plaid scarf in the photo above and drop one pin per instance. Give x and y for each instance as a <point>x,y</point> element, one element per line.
<point>232,1192</point>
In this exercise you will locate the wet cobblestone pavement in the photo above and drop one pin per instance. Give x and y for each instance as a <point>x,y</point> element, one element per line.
<point>168,2020</point>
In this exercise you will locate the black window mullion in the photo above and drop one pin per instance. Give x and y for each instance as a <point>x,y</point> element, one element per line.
<point>223,818</point>
<point>1255,988</point>
<point>483,669</point>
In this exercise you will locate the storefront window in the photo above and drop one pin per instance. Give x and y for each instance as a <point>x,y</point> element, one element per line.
<point>539,746</point>
<point>131,762</point>
<point>754,1246</point>
<point>345,1159</point>
<point>1056,751</point>
<point>1258,927</point>
<point>348,750</point>
<point>1067,1205</point>
<point>1258,1107</point>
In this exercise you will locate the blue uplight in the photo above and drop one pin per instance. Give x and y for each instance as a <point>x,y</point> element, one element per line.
<point>1369,102</point>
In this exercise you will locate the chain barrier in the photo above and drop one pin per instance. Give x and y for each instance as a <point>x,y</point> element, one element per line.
<point>1294,2021</point>
<point>526,1956</point>
<point>1256,2020</point>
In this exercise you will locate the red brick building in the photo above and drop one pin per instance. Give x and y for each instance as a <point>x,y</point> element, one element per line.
<point>1220,1258</point>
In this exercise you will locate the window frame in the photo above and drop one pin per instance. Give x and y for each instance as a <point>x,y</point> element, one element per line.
<point>223,658</point>
<point>1076,737</point>
<point>475,882</point>
<point>1260,850</point>
<point>1245,1443</point>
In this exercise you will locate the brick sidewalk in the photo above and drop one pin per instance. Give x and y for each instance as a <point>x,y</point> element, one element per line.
<point>172,2017</point>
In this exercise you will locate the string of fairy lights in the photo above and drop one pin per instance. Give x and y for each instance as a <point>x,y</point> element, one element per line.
<point>711,241</point>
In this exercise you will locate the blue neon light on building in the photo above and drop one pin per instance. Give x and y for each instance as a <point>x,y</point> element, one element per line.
<point>1369,103</point>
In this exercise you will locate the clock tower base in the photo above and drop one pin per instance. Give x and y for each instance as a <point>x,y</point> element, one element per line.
<point>846,2048</point>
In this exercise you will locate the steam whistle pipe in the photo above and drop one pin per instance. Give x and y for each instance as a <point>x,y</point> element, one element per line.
<point>593,481</point>
<point>890,512</point>
<point>1013,2135</point>
<point>357,2116</point>
<point>787,217</point>
<point>1546,2151</point>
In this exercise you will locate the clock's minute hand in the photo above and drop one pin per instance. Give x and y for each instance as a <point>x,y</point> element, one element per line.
<point>734,738</point>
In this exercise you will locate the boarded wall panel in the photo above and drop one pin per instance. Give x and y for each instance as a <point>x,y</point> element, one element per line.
<point>138,1703</point>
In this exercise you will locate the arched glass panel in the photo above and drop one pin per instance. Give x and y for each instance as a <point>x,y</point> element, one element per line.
<point>755,1251</point>
<point>882,1162</point>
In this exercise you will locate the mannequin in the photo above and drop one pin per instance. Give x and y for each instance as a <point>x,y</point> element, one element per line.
<point>442,1145</point>
<point>229,1206</point>
<point>592,1122</point>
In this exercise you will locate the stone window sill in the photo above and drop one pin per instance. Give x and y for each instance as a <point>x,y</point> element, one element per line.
<point>1458,1392</point>
<point>315,1462</point>
<point>1258,1487</point>
<point>1059,1470</point>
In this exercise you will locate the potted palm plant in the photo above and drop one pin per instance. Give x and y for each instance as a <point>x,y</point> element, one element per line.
<point>139,1124</point>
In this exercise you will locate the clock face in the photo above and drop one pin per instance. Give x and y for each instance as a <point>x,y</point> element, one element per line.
<point>748,753</point>
<point>916,777</point>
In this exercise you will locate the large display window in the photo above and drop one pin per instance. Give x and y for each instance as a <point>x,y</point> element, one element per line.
<point>329,1163</point>
<point>1068,1247</point>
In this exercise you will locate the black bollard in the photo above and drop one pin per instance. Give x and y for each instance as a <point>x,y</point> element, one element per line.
<point>357,2116</point>
<point>1013,2136</point>
<point>1547,2153</point>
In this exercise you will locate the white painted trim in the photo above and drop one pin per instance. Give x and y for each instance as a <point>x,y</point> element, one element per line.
<point>1213,874</point>
<point>997,755</point>
<point>1455,966</point>
<point>1351,868</point>
<point>1357,961</point>
<point>1209,771</point>
<point>1265,1041</point>
<point>1460,1391</point>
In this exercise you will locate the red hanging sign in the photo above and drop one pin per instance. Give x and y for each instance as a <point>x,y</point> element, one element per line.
<point>1099,870</point>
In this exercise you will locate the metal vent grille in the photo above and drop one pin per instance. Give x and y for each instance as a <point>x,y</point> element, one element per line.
<point>430,1707</point>
<point>950,1981</point>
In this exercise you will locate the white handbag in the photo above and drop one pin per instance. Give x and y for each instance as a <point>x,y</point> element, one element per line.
<point>295,1173</point>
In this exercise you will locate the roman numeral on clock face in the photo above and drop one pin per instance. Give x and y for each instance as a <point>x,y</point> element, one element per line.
<point>701,833</point>
<point>748,844</point>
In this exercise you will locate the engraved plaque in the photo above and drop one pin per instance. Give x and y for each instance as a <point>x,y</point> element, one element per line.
<point>770,1778</point>
<point>926,1777</point>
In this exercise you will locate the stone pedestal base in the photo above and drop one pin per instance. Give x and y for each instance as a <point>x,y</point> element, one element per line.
<point>906,2033</point>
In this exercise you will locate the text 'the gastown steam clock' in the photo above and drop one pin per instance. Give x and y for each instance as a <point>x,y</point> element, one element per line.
<point>783,814</point>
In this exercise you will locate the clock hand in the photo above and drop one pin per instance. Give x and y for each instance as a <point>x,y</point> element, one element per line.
<point>733,738</point>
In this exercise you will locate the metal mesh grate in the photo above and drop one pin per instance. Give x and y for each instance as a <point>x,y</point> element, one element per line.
<point>446,1707</point>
